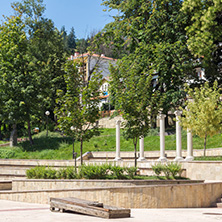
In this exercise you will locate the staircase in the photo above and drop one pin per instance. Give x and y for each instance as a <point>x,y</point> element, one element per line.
<point>128,156</point>
<point>16,169</point>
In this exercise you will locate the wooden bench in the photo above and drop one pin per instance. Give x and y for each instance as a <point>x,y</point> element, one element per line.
<point>93,208</point>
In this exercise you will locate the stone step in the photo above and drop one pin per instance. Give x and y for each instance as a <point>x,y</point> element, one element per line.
<point>169,153</point>
<point>125,158</point>
<point>13,171</point>
<point>12,176</point>
<point>16,169</point>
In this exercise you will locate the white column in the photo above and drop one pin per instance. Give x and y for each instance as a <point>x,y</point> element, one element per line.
<point>142,157</point>
<point>179,157</point>
<point>189,146</point>
<point>161,117</point>
<point>118,141</point>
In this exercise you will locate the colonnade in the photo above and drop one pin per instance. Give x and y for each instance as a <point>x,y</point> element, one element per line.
<point>162,157</point>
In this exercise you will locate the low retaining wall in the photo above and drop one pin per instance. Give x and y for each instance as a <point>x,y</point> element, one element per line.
<point>153,196</point>
<point>156,153</point>
<point>38,184</point>
<point>195,170</point>
<point>203,170</point>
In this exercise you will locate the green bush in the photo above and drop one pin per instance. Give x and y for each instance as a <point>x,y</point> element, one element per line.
<point>131,172</point>
<point>169,169</point>
<point>94,171</point>
<point>174,168</point>
<point>67,173</point>
<point>118,172</point>
<point>37,172</point>
<point>103,171</point>
<point>6,153</point>
<point>153,132</point>
<point>166,171</point>
<point>41,172</point>
<point>157,168</point>
<point>50,173</point>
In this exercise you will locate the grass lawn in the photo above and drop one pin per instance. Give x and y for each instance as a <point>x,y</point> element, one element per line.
<point>209,158</point>
<point>3,141</point>
<point>56,146</point>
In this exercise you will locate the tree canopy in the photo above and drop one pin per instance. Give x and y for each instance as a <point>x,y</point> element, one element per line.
<point>153,31</point>
<point>31,59</point>
<point>77,105</point>
<point>203,112</point>
<point>133,97</point>
<point>205,35</point>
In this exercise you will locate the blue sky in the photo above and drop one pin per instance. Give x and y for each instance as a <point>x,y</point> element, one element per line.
<point>84,15</point>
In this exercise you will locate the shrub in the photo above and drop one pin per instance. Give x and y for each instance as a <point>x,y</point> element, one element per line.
<point>153,132</point>
<point>174,168</point>
<point>131,171</point>
<point>157,168</point>
<point>66,173</point>
<point>6,153</point>
<point>169,169</point>
<point>37,172</point>
<point>30,173</point>
<point>94,171</point>
<point>118,172</point>
<point>41,172</point>
<point>166,171</point>
<point>50,173</point>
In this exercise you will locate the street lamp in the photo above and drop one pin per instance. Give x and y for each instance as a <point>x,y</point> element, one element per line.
<point>73,151</point>
<point>47,113</point>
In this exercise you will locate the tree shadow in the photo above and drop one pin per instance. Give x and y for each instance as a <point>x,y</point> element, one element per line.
<point>45,143</point>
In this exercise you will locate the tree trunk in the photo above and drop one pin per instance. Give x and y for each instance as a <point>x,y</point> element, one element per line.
<point>135,156</point>
<point>81,159</point>
<point>56,120</point>
<point>0,130</point>
<point>153,121</point>
<point>205,144</point>
<point>167,121</point>
<point>29,133</point>
<point>13,136</point>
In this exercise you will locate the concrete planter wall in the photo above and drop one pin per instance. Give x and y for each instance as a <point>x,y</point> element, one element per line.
<point>43,184</point>
<point>151,196</point>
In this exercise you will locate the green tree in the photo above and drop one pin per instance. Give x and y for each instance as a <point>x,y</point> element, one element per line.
<point>155,29</point>
<point>205,35</point>
<point>134,97</point>
<point>18,79</point>
<point>31,11</point>
<point>82,45</point>
<point>65,38</point>
<point>71,41</point>
<point>77,106</point>
<point>32,56</point>
<point>203,112</point>
<point>46,47</point>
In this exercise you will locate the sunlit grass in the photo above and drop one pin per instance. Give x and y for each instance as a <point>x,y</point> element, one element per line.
<point>56,146</point>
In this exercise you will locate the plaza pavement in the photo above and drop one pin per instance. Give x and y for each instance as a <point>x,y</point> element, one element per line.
<point>11,211</point>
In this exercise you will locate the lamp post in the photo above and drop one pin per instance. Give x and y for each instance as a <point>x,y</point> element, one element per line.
<point>73,150</point>
<point>47,113</point>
